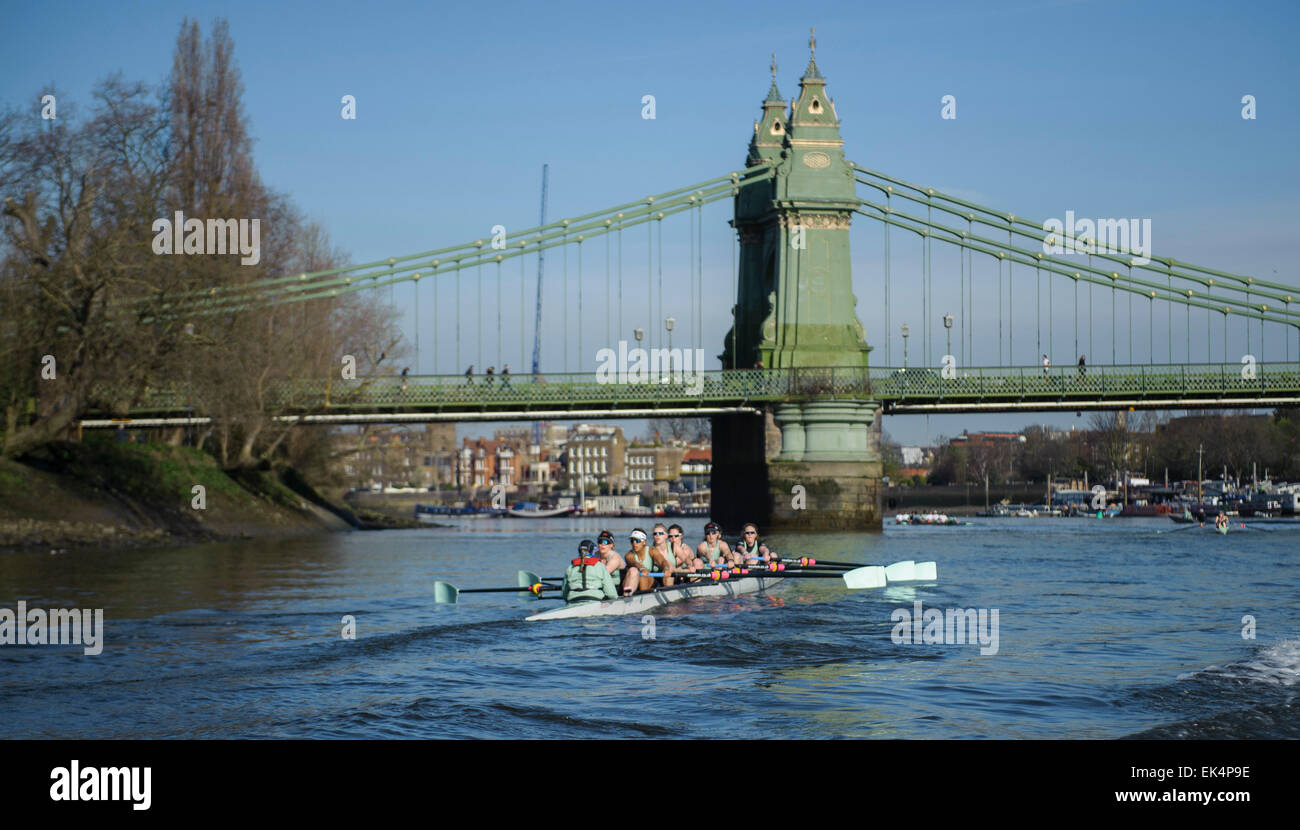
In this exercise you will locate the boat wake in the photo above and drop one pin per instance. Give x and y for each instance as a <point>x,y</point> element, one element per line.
<point>1256,698</point>
<point>1277,664</point>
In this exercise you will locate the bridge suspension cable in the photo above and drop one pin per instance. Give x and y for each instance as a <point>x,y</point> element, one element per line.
<point>338,281</point>
<point>1088,273</point>
<point>1239,295</point>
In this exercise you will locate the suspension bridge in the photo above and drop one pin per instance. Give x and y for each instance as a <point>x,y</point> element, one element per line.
<point>1176,335</point>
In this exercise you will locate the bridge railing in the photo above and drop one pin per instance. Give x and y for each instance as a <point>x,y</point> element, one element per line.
<point>718,387</point>
<point>679,387</point>
<point>550,390</point>
<point>1087,382</point>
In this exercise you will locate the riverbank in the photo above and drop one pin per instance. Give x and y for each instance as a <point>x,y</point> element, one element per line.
<point>96,494</point>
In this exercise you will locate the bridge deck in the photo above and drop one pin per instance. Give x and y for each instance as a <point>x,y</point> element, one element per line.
<point>898,390</point>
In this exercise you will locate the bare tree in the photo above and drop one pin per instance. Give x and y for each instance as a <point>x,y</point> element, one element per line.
<point>78,200</point>
<point>1114,440</point>
<point>77,205</point>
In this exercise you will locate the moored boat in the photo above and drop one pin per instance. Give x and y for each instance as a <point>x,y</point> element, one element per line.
<point>443,510</point>
<point>537,513</point>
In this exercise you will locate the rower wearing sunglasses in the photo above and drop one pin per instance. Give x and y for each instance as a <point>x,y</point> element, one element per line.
<point>713,551</point>
<point>683,557</point>
<point>613,561</point>
<point>751,548</point>
<point>643,560</point>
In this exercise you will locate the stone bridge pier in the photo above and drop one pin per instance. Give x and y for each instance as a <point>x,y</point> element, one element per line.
<point>812,466</point>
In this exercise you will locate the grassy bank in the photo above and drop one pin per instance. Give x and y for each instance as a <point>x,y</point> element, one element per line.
<point>102,492</point>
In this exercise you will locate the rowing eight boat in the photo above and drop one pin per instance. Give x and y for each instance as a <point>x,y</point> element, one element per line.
<point>638,603</point>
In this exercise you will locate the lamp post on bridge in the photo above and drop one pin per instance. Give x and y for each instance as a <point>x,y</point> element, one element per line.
<point>947,324</point>
<point>906,331</point>
<point>668,324</point>
<point>638,334</point>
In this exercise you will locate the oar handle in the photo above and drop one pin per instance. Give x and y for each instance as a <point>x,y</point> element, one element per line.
<point>808,560</point>
<point>720,576</point>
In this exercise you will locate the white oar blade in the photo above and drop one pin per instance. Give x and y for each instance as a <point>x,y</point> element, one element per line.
<point>872,576</point>
<point>904,571</point>
<point>927,571</point>
<point>445,592</point>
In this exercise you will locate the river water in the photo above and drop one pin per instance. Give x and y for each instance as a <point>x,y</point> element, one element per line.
<point>1106,629</point>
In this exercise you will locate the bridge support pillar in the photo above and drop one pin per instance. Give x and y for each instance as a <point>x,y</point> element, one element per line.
<point>793,435</point>
<point>827,448</point>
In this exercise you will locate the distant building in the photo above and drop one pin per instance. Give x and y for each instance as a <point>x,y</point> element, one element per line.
<point>653,469</point>
<point>916,461</point>
<point>614,503</point>
<point>915,456</point>
<point>542,473</point>
<point>594,456</point>
<point>399,456</point>
<point>477,465</point>
<point>697,468</point>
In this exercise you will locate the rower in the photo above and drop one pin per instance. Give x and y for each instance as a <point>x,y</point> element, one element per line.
<point>662,554</point>
<point>713,551</point>
<point>750,547</point>
<point>587,579</point>
<point>613,561</point>
<point>683,557</point>
<point>642,561</point>
<point>639,562</point>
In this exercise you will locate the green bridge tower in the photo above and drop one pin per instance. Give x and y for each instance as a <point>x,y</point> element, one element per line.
<point>795,309</point>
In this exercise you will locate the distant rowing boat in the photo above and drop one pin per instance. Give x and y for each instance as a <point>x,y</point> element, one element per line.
<point>936,519</point>
<point>639,603</point>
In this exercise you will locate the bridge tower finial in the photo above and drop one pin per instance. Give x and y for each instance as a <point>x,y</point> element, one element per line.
<point>769,132</point>
<point>811,71</point>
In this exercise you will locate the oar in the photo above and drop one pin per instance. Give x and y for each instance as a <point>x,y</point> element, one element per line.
<point>905,571</point>
<point>445,592</point>
<point>870,576</point>
<point>528,578</point>
<point>807,560</point>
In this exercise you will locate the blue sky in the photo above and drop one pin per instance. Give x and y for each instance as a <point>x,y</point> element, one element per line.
<point>1116,109</point>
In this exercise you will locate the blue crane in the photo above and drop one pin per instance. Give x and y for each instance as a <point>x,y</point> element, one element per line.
<point>537,323</point>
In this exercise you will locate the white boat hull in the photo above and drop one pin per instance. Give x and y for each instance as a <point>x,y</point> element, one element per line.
<point>541,514</point>
<point>640,603</point>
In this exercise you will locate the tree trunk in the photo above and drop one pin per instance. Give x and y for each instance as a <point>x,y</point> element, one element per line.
<point>246,457</point>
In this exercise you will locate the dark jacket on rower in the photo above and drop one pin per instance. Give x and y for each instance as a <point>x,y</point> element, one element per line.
<point>587,578</point>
